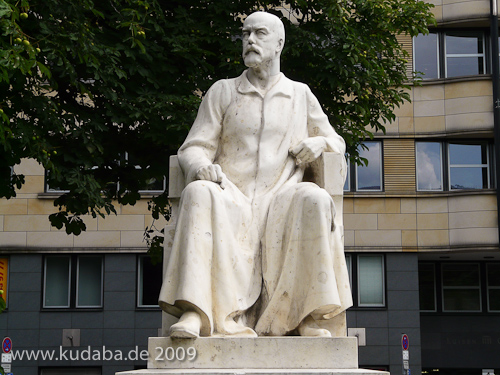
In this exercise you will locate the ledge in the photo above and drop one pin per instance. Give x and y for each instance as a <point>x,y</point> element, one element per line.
<point>421,194</point>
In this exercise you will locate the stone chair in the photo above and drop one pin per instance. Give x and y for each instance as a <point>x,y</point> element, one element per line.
<point>322,172</point>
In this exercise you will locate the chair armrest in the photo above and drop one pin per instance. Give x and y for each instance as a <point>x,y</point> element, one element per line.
<point>329,172</point>
<point>176,180</point>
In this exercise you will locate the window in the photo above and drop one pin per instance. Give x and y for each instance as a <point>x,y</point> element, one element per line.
<point>366,177</point>
<point>450,54</point>
<point>426,55</point>
<point>149,282</point>
<point>427,286</point>
<point>429,162</point>
<point>367,276</point>
<point>371,280</point>
<point>493,284</point>
<point>152,185</point>
<point>461,287</point>
<point>50,188</point>
<point>464,54</point>
<point>467,165</point>
<point>73,281</point>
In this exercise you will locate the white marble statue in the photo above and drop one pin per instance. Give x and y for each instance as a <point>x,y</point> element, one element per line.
<point>253,252</point>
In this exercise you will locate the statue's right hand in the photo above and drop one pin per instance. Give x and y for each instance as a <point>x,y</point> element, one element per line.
<point>212,172</point>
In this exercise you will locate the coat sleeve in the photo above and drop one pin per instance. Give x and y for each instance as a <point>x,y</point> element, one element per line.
<point>318,125</point>
<point>201,145</point>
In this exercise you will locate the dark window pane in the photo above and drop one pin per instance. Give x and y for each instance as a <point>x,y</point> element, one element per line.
<point>151,282</point>
<point>468,154</point>
<point>427,286</point>
<point>426,55</point>
<point>464,44</point>
<point>494,299</point>
<point>89,287</point>
<point>468,178</point>
<point>464,54</point>
<point>154,185</point>
<point>464,66</point>
<point>461,300</point>
<point>429,166</point>
<point>493,274</point>
<point>57,282</point>
<point>460,275</point>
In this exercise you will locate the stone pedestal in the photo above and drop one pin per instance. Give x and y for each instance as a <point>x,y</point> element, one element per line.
<point>249,356</point>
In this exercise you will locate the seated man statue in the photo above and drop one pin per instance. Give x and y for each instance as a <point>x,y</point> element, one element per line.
<point>253,252</point>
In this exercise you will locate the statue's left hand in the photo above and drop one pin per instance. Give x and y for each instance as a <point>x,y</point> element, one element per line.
<point>309,149</point>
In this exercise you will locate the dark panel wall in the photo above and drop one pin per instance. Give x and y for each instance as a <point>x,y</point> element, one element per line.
<point>117,326</point>
<point>461,341</point>
<point>384,327</point>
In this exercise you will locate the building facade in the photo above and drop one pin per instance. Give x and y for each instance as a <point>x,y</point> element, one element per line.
<point>421,238</point>
<point>426,205</point>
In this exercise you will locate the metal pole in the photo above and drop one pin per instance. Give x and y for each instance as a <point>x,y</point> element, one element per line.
<point>495,77</point>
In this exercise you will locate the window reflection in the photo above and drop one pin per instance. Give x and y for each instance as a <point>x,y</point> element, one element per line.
<point>464,54</point>
<point>429,162</point>
<point>426,55</point>
<point>468,166</point>
<point>369,177</point>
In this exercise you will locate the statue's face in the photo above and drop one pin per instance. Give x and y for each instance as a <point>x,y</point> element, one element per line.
<point>261,41</point>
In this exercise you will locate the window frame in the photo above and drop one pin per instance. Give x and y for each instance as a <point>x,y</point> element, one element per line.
<point>140,283</point>
<point>148,191</point>
<point>77,283</point>
<point>70,281</point>
<point>438,59</point>
<point>477,55</point>
<point>446,180</point>
<point>352,178</point>
<point>488,288</point>
<point>478,288</point>
<point>382,263</point>
<point>352,259</point>
<point>482,166</point>
<point>120,160</point>
<point>434,281</point>
<point>441,161</point>
<point>442,55</point>
<point>73,274</point>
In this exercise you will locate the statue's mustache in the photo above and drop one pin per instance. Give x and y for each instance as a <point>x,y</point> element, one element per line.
<point>252,49</point>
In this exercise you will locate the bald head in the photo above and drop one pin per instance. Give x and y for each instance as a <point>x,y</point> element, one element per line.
<point>270,20</point>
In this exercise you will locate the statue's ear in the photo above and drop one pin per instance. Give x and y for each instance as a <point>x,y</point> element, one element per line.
<point>280,45</point>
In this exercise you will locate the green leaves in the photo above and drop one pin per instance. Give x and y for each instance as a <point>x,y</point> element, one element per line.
<point>101,80</point>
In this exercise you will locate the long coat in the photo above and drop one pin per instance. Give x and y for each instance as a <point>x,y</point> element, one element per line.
<point>266,237</point>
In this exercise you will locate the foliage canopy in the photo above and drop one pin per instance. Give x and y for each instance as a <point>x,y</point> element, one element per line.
<point>85,83</point>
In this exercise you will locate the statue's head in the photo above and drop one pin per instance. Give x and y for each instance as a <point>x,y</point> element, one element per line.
<point>263,39</point>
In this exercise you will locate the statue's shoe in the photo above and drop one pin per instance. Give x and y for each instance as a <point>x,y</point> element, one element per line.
<point>308,327</point>
<point>188,326</point>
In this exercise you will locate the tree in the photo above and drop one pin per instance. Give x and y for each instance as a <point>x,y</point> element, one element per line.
<point>101,93</point>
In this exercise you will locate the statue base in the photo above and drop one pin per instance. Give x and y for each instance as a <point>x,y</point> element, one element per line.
<point>249,356</point>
